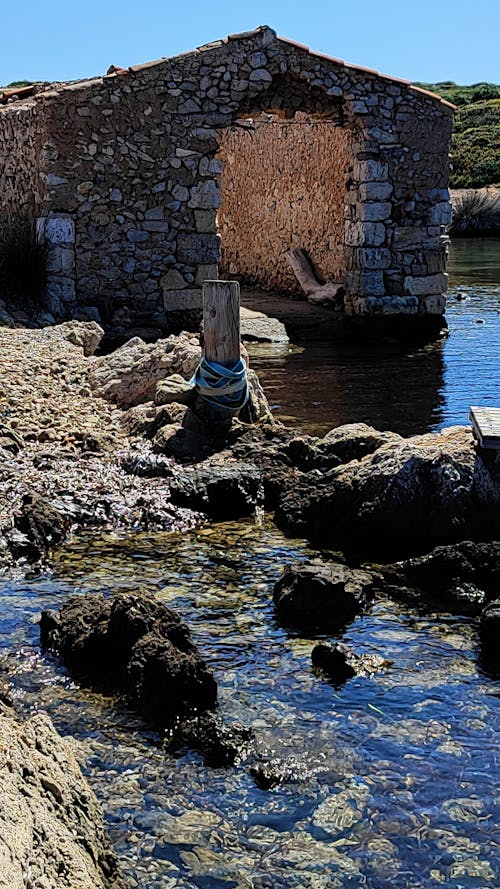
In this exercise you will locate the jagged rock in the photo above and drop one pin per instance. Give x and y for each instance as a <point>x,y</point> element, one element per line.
<point>406,497</point>
<point>322,595</point>
<point>134,645</point>
<point>51,831</point>
<point>341,663</point>
<point>353,441</point>
<point>462,576</point>
<point>225,490</point>
<point>131,374</point>
<point>37,528</point>
<point>219,744</point>
<point>489,635</point>
<point>174,389</point>
<point>86,334</point>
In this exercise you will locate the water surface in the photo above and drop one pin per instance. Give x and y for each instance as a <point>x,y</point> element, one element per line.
<point>394,778</point>
<point>409,391</point>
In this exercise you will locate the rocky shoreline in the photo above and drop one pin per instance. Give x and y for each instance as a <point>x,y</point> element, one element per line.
<point>119,441</point>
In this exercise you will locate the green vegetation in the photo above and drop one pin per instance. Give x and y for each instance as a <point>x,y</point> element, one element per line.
<point>476,213</point>
<point>476,138</point>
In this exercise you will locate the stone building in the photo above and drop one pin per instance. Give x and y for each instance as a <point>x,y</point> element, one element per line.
<point>151,179</point>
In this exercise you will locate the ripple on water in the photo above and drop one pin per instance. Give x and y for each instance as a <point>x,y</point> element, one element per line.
<point>394,778</point>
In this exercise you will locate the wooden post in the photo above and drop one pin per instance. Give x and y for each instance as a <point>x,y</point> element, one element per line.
<point>221,344</point>
<point>221,321</point>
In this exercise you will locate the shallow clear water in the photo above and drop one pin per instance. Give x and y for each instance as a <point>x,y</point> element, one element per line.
<point>394,777</point>
<point>406,390</point>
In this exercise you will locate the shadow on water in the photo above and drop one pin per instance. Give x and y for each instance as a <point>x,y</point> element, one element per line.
<point>407,390</point>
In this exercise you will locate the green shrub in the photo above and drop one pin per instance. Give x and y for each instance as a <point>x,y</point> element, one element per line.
<point>475,148</point>
<point>23,261</point>
<point>476,213</point>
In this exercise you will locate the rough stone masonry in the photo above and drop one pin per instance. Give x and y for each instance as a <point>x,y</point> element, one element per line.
<point>123,175</point>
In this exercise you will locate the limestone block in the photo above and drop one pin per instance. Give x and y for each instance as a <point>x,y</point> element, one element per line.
<point>426,285</point>
<point>385,305</point>
<point>434,305</point>
<point>359,234</point>
<point>414,238</point>
<point>177,300</point>
<point>257,60</point>
<point>59,230</point>
<point>374,211</point>
<point>194,248</point>
<point>61,260</point>
<point>365,283</point>
<point>172,280</point>
<point>375,191</point>
<point>260,75</point>
<point>374,258</point>
<point>370,170</point>
<point>206,195</point>
<point>137,237</point>
<point>180,192</point>
<point>440,214</point>
<point>206,272</point>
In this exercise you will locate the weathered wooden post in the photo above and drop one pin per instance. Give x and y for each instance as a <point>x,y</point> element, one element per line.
<point>221,380</point>
<point>221,322</point>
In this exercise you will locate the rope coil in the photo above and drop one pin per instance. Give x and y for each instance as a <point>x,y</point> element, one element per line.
<point>225,388</point>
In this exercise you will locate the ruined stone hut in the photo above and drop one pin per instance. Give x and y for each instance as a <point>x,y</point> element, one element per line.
<point>151,179</point>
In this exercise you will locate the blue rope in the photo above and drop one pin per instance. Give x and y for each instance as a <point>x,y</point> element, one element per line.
<point>225,388</point>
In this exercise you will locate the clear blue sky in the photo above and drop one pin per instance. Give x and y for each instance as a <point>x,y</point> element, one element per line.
<point>428,40</point>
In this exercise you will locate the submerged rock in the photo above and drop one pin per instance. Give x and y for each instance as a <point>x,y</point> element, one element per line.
<point>341,663</point>
<point>51,831</point>
<point>220,745</point>
<point>321,595</point>
<point>406,497</point>
<point>134,645</point>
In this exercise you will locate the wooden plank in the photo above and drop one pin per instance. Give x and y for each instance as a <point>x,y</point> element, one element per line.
<point>221,321</point>
<point>486,426</point>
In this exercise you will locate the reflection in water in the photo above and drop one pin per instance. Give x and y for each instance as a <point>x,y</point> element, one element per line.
<point>408,391</point>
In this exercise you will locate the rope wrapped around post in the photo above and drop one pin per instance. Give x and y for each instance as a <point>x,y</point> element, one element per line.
<point>224,388</point>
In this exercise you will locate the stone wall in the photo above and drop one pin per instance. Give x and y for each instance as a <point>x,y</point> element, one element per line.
<point>133,176</point>
<point>283,185</point>
<point>21,155</point>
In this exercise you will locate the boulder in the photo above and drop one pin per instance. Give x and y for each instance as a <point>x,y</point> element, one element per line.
<point>37,528</point>
<point>259,327</point>
<point>131,644</point>
<point>489,636</point>
<point>223,490</point>
<point>321,595</point>
<point>130,375</point>
<point>51,831</point>
<point>174,389</point>
<point>352,441</point>
<point>462,576</point>
<point>405,498</point>
<point>85,334</point>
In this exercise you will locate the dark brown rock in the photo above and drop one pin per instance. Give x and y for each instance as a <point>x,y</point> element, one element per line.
<point>489,635</point>
<point>134,645</point>
<point>321,595</point>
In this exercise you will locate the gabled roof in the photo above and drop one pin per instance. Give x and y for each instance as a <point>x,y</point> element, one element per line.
<point>13,94</point>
